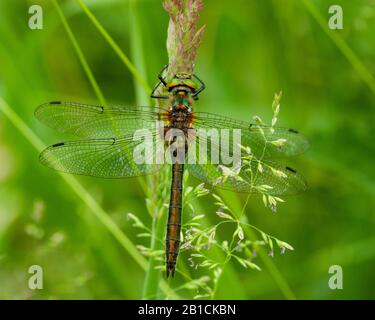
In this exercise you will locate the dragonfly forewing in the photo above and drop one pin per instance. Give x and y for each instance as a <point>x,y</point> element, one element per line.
<point>91,121</point>
<point>265,142</point>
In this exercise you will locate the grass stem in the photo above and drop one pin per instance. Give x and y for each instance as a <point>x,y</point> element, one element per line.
<point>114,45</point>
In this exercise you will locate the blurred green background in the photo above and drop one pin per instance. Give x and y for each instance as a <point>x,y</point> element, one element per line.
<point>250,50</point>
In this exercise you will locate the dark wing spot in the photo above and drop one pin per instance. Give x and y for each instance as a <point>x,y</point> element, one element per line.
<point>290,169</point>
<point>113,141</point>
<point>55,102</point>
<point>102,110</point>
<point>58,144</point>
<point>293,130</point>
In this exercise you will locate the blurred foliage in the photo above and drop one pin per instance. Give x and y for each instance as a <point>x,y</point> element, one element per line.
<point>250,50</point>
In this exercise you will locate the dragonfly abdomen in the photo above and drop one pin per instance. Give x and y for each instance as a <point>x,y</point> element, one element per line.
<point>174,218</point>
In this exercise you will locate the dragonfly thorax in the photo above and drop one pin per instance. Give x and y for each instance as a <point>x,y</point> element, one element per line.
<point>180,111</point>
<point>181,99</point>
<point>180,116</point>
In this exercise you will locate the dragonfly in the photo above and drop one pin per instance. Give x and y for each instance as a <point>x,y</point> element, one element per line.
<point>107,147</point>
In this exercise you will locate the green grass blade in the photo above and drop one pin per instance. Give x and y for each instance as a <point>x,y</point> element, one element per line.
<point>114,46</point>
<point>137,52</point>
<point>349,54</point>
<point>80,55</point>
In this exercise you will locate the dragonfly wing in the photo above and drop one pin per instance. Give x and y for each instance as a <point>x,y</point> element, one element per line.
<point>254,177</point>
<point>265,142</point>
<point>246,174</point>
<point>106,158</point>
<point>95,121</point>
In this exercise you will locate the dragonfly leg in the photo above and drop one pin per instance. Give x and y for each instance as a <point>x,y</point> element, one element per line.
<point>162,81</point>
<point>160,75</point>
<point>155,95</point>
<point>202,87</point>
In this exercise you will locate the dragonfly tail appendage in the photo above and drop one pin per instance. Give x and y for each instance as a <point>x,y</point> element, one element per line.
<point>174,219</point>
